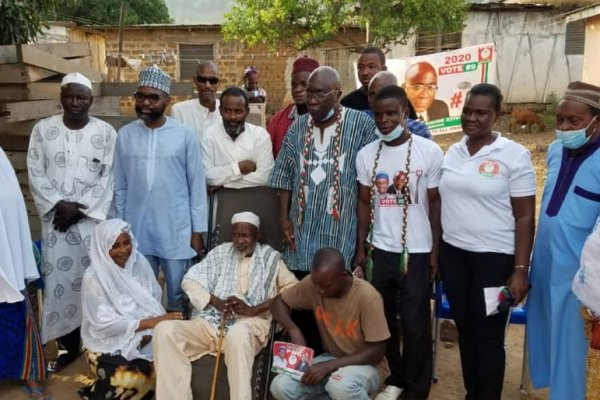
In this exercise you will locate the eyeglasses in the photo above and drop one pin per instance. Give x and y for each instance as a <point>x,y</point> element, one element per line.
<point>420,88</point>
<point>318,95</point>
<point>204,79</point>
<point>152,98</point>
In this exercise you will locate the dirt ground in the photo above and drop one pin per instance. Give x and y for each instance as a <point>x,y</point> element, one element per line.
<point>449,386</point>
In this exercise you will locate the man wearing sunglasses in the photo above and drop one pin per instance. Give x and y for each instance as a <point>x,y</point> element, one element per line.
<point>159,183</point>
<point>201,114</point>
<point>421,86</point>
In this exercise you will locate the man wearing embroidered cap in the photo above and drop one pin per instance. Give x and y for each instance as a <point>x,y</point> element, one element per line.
<point>69,164</point>
<point>281,122</point>
<point>236,281</point>
<point>159,183</point>
<point>570,210</point>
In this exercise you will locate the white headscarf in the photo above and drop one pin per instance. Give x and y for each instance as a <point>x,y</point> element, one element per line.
<point>115,299</point>
<point>16,252</point>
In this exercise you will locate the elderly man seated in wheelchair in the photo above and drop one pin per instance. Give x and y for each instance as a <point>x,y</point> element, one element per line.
<point>235,283</point>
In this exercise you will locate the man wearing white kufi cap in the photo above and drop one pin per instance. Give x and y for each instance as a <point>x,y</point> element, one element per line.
<point>69,163</point>
<point>159,183</point>
<point>236,280</point>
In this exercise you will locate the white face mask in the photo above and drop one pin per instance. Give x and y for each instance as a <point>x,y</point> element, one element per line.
<point>393,135</point>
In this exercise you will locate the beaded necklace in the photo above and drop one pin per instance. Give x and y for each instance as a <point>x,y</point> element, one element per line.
<point>403,264</point>
<point>337,150</point>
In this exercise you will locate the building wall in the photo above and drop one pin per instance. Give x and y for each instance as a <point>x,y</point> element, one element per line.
<point>591,58</point>
<point>231,58</point>
<point>530,45</point>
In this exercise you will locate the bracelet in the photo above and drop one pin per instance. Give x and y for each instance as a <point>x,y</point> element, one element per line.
<point>520,266</point>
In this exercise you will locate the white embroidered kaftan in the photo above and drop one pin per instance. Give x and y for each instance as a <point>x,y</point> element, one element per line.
<point>70,165</point>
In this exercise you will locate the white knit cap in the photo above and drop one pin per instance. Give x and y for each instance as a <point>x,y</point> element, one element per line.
<point>246,216</point>
<point>76,77</point>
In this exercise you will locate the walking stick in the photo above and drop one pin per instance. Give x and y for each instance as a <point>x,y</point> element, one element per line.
<point>213,388</point>
<point>209,234</point>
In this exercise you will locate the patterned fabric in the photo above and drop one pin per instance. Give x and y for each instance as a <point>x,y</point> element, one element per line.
<point>319,228</point>
<point>156,78</point>
<point>218,272</point>
<point>119,379</point>
<point>73,166</point>
<point>22,355</point>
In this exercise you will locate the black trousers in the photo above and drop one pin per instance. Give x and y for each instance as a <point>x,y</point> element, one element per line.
<point>480,338</point>
<point>71,342</point>
<point>409,297</point>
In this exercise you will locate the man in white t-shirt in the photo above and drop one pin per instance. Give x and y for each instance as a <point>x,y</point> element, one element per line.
<point>406,219</point>
<point>201,115</point>
<point>237,154</point>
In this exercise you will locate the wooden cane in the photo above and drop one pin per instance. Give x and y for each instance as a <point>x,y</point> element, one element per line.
<point>213,388</point>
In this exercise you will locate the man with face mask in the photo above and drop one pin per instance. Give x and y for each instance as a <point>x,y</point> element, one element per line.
<point>238,154</point>
<point>403,237</point>
<point>315,174</point>
<point>280,123</point>
<point>570,210</point>
<point>69,163</point>
<point>159,183</point>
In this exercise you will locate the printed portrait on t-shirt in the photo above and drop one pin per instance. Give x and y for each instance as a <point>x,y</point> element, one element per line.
<point>399,187</point>
<point>382,181</point>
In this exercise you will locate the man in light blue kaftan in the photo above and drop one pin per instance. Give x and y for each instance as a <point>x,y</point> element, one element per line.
<point>316,176</point>
<point>159,184</point>
<point>570,210</point>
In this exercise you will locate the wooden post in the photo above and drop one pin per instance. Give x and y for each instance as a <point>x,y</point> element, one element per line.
<point>121,23</point>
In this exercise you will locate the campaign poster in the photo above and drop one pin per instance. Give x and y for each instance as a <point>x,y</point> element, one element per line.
<point>436,84</point>
<point>291,359</point>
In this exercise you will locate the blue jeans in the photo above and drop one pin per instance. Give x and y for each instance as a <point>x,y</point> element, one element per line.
<point>173,271</point>
<point>353,382</point>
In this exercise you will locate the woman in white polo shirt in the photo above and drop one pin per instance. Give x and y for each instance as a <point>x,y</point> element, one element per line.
<point>487,189</point>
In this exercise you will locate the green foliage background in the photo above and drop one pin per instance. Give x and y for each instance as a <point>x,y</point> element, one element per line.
<point>301,24</point>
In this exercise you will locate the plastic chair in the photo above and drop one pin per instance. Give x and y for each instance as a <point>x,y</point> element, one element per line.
<point>518,315</point>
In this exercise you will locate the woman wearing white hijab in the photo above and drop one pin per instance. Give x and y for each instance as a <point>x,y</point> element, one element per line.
<point>22,355</point>
<point>121,306</point>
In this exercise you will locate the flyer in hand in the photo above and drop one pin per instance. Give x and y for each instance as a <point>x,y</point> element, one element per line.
<point>291,359</point>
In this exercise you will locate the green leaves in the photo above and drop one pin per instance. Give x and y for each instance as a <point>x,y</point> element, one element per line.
<point>22,20</point>
<point>107,11</point>
<point>305,23</point>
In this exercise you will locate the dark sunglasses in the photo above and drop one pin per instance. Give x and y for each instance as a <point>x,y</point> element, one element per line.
<point>203,79</point>
<point>152,98</point>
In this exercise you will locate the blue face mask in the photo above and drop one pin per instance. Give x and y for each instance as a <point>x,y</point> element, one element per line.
<point>329,115</point>
<point>393,135</point>
<point>573,139</point>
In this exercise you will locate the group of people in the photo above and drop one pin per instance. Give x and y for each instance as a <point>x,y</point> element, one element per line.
<point>371,212</point>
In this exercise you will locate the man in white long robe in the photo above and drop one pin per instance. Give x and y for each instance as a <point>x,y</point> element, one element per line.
<point>69,165</point>
<point>237,154</point>
<point>236,280</point>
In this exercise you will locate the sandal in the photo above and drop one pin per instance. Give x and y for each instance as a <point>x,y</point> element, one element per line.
<point>37,392</point>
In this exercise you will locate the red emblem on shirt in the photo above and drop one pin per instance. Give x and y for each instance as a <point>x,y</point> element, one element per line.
<point>489,168</point>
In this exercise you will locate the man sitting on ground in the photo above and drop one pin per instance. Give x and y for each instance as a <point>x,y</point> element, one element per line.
<point>352,327</point>
<point>235,281</point>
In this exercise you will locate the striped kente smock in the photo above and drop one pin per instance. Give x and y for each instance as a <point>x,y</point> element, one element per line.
<point>319,229</point>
